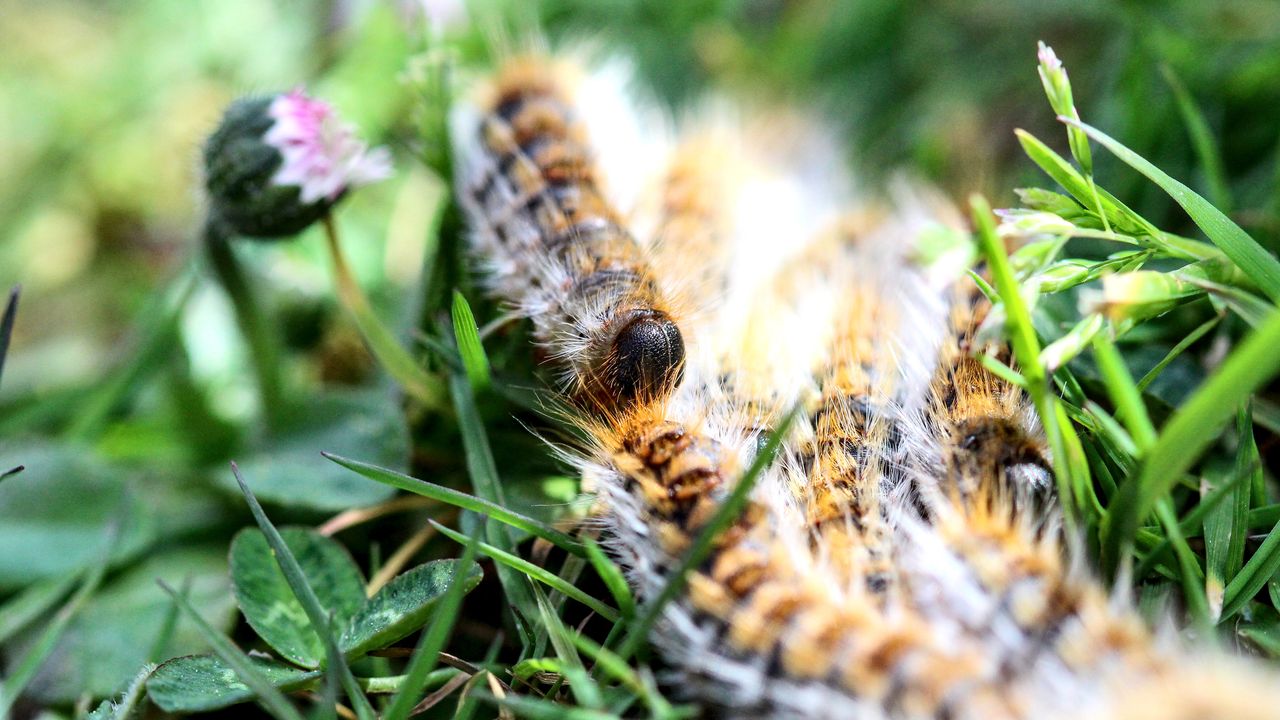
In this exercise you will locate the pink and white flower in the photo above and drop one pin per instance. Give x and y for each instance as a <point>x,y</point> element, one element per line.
<point>322,155</point>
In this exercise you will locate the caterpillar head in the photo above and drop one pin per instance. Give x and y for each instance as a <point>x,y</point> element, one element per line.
<point>645,360</point>
<point>987,450</point>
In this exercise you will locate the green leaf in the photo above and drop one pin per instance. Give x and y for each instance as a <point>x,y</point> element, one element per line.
<point>123,710</point>
<point>335,663</point>
<point>470,348</point>
<point>460,500</point>
<point>52,516</point>
<point>289,470</point>
<point>1260,265</point>
<point>200,683</point>
<point>404,605</point>
<point>269,604</point>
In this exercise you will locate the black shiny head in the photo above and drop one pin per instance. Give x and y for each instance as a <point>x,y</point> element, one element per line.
<point>647,357</point>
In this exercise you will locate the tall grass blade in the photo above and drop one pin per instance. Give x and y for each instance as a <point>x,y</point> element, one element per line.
<point>1261,266</point>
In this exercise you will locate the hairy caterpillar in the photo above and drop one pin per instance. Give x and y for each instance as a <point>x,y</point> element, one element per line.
<point>903,557</point>
<point>558,250</point>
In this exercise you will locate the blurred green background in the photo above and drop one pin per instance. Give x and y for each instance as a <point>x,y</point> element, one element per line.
<point>128,386</point>
<point>103,105</point>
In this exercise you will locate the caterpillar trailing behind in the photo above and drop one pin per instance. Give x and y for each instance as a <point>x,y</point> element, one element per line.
<point>903,556</point>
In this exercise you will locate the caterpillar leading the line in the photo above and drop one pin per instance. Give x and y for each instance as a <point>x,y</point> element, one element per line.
<point>903,556</point>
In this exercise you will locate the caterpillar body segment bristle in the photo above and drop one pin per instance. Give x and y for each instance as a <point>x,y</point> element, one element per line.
<point>986,428</point>
<point>850,459</point>
<point>555,247</point>
<point>690,239</point>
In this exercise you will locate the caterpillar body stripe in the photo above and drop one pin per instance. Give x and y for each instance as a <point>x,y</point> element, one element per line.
<point>903,557</point>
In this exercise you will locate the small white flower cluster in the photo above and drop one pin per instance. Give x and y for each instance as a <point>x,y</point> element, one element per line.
<point>322,155</point>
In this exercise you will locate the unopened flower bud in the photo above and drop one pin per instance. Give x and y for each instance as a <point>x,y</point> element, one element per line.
<point>277,164</point>
<point>1139,295</point>
<point>1062,276</point>
<point>1049,201</point>
<point>1032,222</point>
<point>1058,89</point>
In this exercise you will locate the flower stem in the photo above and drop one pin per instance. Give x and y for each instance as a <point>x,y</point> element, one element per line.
<point>381,341</point>
<point>264,345</point>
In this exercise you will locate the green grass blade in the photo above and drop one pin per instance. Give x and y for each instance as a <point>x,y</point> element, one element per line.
<point>1124,393</point>
<point>462,500</point>
<point>307,598</point>
<point>433,640</point>
<point>541,574</point>
<point>480,465</point>
<point>1248,464</point>
<point>1063,173</point>
<point>612,578</point>
<point>583,686</point>
<point>158,329</point>
<point>538,709</point>
<point>1253,576</point>
<point>6,326</point>
<point>617,668</point>
<point>1194,520</point>
<point>484,479</point>
<point>1191,429</point>
<point>270,697</point>
<point>1202,140</point>
<point>1177,350</point>
<point>1002,371</point>
<point>728,511</point>
<point>467,335</point>
<point>1189,572</point>
<point>382,342</point>
<point>1260,265</point>
<point>168,626</point>
<point>1070,466</point>
<point>28,604</point>
<point>26,667</point>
